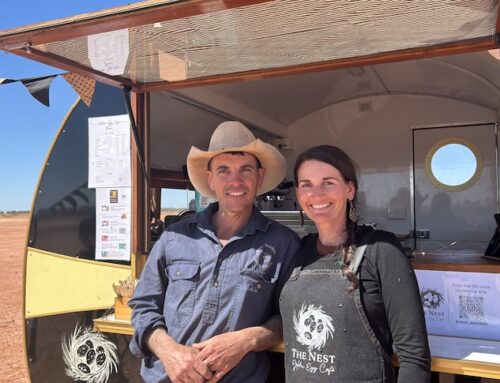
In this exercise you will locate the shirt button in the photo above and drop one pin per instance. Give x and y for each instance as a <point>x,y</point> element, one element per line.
<point>216,284</point>
<point>177,273</point>
<point>258,286</point>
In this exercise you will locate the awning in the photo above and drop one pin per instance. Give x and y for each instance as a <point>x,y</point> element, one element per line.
<point>166,44</point>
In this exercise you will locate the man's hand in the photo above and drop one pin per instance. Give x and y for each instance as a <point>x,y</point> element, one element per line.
<point>223,352</point>
<point>182,363</point>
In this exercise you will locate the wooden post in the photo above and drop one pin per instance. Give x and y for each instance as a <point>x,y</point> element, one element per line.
<point>141,215</point>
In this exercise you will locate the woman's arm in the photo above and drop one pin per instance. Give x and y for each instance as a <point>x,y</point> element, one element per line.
<point>404,312</point>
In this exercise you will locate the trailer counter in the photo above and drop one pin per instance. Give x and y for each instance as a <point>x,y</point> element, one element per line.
<point>450,354</point>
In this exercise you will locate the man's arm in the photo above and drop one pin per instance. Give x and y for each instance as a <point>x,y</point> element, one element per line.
<point>182,363</point>
<point>223,352</point>
<point>150,330</point>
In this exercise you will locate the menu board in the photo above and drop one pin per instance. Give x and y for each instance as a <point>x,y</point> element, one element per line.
<point>109,151</point>
<point>461,303</point>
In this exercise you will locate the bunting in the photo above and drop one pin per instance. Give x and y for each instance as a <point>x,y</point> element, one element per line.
<point>6,80</point>
<point>39,87</point>
<point>85,87</point>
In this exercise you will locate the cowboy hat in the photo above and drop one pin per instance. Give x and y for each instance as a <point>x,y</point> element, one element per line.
<point>233,136</point>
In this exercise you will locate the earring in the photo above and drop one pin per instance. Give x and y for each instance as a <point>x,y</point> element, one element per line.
<point>353,214</point>
<point>301,212</point>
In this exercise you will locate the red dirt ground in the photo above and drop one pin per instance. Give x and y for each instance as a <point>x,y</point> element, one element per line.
<point>13,231</point>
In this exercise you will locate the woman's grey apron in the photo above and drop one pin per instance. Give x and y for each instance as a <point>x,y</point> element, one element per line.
<point>327,335</point>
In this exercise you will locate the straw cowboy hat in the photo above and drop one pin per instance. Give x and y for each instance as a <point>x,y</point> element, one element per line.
<point>232,136</point>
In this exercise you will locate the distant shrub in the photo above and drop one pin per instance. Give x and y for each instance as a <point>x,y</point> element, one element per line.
<point>11,213</point>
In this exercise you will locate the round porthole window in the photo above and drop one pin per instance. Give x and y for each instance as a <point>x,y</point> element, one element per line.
<point>453,164</point>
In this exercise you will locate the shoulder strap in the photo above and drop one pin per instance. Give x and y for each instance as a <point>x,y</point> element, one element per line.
<point>301,257</point>
<point>360,251</point>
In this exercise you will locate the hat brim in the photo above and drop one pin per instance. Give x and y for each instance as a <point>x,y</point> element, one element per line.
<point>270,158</point>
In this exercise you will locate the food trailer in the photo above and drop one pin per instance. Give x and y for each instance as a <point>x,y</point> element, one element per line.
<point>411,90</point>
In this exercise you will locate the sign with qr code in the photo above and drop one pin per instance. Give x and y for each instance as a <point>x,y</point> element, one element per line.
<point>460,303</point>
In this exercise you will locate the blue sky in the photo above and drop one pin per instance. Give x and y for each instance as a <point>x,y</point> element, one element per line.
<point>27,127</point>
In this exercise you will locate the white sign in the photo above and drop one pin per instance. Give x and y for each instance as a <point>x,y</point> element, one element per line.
<point>113,224</point>
<point>108,52</point>
<point>460,303</point>
<point>109,151</point>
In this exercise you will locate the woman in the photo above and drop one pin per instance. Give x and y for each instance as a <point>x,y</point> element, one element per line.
<point>344,309</point>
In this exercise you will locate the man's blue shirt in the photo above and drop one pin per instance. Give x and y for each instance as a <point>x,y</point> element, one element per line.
<point>196,288</point>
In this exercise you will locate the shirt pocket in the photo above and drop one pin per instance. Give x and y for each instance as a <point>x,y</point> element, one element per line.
<point>255,282</point>
<point>255,298</point>
<point>183,277</point>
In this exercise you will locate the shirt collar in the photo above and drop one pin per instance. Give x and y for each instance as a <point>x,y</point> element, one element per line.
<point>256,221</point>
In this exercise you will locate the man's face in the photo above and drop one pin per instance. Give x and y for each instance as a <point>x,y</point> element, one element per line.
<point>235,178</point>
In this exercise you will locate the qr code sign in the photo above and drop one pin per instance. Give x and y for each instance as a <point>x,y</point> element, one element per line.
<point>471,308</point>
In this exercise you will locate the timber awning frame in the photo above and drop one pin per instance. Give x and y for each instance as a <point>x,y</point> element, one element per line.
<point>25,40</point>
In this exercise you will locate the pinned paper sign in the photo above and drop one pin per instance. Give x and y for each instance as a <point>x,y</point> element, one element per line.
<point>460,303</point>
<point>108,52</point>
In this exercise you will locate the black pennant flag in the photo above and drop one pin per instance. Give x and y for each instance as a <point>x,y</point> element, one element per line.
<point>39,87</point>
<point>6,80</point>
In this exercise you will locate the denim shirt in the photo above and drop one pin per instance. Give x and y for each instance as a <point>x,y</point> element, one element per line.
<point>195,288</point>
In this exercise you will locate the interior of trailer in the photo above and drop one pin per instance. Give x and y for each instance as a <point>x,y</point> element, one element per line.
<point>387,117</point>
<point>394,120</point>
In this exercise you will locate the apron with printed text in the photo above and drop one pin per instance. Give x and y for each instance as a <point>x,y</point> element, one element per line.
<point>326,333</point>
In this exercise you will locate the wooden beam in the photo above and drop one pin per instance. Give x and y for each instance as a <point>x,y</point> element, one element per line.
<point>497,29</point>
<point>140,203</point>
<point>161,178</point>
<point>71,66</point>
<point>119,18</point>
<point>171,184</point>
<point>167,174</point>
<point>459,262</point>
<point>497,26</point>
<point>460,47</point>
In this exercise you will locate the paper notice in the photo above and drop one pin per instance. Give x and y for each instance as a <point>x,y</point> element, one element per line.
<point>113,224</point>
<point>108,52</point>
<point>109,151</point>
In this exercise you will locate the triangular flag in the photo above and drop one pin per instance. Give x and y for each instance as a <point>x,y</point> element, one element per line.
<point>39,88</point>
<point>6,80</point>
<point>85,87</point>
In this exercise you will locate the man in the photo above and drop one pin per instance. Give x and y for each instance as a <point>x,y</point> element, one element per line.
<point>206,306</point>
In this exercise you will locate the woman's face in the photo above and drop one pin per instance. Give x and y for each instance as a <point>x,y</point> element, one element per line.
<point>322,192</point>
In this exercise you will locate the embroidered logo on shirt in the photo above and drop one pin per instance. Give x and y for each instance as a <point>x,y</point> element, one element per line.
<point>313,326</point>
<point>263,261</point>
